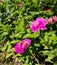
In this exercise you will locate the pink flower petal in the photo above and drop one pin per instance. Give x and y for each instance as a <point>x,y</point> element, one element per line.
<point>19,48</point>
<point>38,24</point>
<point>26,43</point>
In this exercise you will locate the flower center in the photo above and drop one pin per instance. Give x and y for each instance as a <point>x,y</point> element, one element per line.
<point>25,44</point>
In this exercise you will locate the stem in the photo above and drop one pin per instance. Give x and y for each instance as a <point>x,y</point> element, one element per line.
<point>35,58</point>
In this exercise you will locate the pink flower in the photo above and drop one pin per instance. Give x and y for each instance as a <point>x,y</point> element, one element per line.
<point>19,48</point>
<point>55,18</point>
<point>34,26</point>
<point>50,20</point>
<point>20,5</point>
<point>42,23</point>
<point>26,43</point>
<point>38,24</point>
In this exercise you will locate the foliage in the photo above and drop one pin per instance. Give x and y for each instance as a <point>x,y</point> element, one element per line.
<point>14,26</point>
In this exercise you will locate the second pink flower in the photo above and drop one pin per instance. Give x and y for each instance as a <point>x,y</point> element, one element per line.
<point>38,24</point>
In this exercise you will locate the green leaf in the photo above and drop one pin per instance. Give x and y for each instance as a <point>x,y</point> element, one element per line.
<point>11,15</point>
<point>55,63</point>
<point>8,55</point>
<point>5,33</point>
<point>36,1</point>
<point>5,46</point>
<point>32,35</point>
<point>50,55</point>
<point>14,41</point>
